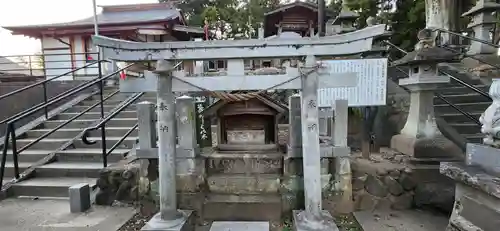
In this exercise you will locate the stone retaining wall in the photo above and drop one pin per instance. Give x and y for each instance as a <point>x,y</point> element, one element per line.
<point>384,182</point>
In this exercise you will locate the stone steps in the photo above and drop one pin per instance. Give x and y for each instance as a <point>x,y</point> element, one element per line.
<point>225,207</point>
<point>84,123</point>
<point>107,108</point>
<point>84,154</point>
<point>466,128</point>
<point>95,115</point>
<point>54,143</point>
<point>79,163</point>
<point>470,97</point>
<point>49,187</point>
<point>72,132</point>
<point>58,169</point>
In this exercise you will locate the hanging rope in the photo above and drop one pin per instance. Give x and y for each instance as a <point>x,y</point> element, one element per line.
<point>234,97</point>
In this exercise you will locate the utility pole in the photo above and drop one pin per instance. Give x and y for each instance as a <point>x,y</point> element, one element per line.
<point>321,18</point>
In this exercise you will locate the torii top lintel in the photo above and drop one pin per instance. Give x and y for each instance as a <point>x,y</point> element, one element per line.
<point>343,44</point>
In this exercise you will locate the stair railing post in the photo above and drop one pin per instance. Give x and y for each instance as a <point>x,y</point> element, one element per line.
<point>45,109</point>
<point>12,131</point>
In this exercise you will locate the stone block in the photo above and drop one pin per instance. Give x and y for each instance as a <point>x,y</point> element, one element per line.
<point>375,186</point>
<point>184,222</point>
<point>244,184</point>
<point>324,223</point>
<point>244,163</point>
<point>296,183</point>
<point>294,166</point>
<point>437,147</point>
<point>393,186</point>
<point>484,156</point>
<point>262,207</point>
<point>240,226</point>
<point>79,198</point>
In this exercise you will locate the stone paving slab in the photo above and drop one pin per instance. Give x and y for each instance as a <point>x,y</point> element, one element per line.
<point>54,215</point>
<point>239,226</point>
<point>406,220</point>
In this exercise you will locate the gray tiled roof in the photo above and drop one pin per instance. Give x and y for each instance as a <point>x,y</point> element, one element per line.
<point>109,18</point>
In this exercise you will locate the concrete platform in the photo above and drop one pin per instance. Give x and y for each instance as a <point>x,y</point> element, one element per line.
<point>54,215</point>
<point>239,226</point>
<point>407,220</point>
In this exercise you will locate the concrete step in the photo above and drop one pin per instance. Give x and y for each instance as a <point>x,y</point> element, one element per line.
<point>474,138</point>
<point>459,117</point>
<point>111,101</point>
<point>127,143</point>
<point>29,155</point>
<point>466,127</point>
<point>468,107</point>
<point>244,163</point>
<point>244,183</point>
<point>49,187</point>
<point>90,155</point>
<point>70,169</point>
<point>459,89</point>
<point>73,132</point>
<point>107,108</point>
<point>9,168</point>
<point>240,226</point>
<point>115,122</point>
<point>44,144</point>
<point>222,207</point>
<point>95,115</point>
<point>462,98</point>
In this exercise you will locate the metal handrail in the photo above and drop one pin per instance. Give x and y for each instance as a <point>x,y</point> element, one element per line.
<point>67,122</point>
<point>461,82</point>
<point>466,37</point>
<point>102,126</point>
<point>10,130</point>
<point>44,81</point>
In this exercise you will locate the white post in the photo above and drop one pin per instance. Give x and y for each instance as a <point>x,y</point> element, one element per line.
<point>310,143</point>
<point>166,141</point>
<point>96,26</point>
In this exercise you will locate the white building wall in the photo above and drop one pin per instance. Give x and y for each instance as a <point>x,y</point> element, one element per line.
<point>57,57</point>
<point>61,58</point>
<point>80,59</point>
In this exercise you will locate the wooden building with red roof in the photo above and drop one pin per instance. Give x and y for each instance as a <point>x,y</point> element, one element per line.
<point>70,43</point>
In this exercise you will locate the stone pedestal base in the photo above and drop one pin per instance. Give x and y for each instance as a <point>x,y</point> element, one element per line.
<point>435,147</point>
<point>183,223</point>
<point>325,223</point>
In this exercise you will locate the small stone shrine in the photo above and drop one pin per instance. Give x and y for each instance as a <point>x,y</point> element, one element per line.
<point>247,124</point>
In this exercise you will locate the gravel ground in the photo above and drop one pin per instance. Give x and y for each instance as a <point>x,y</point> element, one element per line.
<point>135,223</point>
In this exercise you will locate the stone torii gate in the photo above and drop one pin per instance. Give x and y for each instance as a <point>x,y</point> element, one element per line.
<point>308,79</point>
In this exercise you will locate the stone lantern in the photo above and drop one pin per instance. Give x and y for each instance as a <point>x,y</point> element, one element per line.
<point>482,23</point>
<point>420,138</point>
<point>344,22</point>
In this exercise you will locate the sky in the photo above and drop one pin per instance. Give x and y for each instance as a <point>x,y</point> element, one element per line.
<point>29,12</point>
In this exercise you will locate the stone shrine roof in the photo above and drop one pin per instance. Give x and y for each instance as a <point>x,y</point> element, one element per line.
<point>264,98</point>
<point>426,55</point>
<point>486,6</point>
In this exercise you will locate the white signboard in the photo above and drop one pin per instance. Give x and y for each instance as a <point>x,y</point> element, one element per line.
<point>372,83</point>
